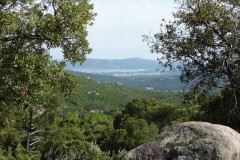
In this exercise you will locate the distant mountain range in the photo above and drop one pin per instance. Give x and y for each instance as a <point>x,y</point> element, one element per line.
<point>131,63</point>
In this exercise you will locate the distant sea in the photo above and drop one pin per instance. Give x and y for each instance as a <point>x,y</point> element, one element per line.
<point>99,71</point>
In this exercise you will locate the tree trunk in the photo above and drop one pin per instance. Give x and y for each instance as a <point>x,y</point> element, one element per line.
<point>29,131</point>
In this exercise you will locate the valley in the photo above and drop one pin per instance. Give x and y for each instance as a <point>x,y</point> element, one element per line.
<point>135,72</point>
<point>110,93</point>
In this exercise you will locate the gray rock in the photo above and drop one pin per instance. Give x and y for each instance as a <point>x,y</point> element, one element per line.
<point>190,141</point>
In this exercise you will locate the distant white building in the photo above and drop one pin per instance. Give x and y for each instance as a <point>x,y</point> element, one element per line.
<point>149,88</point>
<point>98,111</point>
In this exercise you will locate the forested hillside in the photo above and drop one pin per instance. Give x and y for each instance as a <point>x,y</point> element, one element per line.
<point>48,113</point>
<point>94,95</point>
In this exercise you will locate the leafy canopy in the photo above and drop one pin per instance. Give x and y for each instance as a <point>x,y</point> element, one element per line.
<point>29,28</point>
<point>204,42</point>
<point>31,25</point>
<point>29,79</point>
<point>204,38</point>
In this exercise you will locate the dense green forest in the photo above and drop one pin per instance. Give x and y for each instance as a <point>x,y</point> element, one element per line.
<point>48,113</point>
<point>95,135</point>
<point>94,95</point>
<point>99,121</point>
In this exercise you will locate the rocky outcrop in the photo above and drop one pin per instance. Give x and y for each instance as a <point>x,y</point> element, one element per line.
<point>190,141</point>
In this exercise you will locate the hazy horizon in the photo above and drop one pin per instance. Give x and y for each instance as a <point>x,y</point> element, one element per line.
<point>119,26</point>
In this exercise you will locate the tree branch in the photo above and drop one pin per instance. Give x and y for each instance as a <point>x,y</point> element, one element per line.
<point>29,45</point>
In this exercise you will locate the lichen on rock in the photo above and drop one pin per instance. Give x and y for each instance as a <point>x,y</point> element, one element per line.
<point>188,141</point>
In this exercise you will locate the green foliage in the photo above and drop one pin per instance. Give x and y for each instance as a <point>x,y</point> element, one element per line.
<point>225,103</point>
<point>131,133</point>
<point>94,136</point>
<point>11,140</point>
<point>11,137</point>
<point>32,84</point>
<point>97,127</point>
<point>158,83</point>
<point>138,132</point>
<point>140,107</point>
<point>60,142</point>
<point>141,120</point>
<point>29,78</point>
<point>82,139</point>
<point>204,38</point>
<point>188,113</point>
<point>91,119</point>
<point>92,95</point>
<point>161,115</point>
<point>45,25</point>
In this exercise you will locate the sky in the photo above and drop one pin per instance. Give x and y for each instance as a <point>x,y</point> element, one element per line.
<point>119,26</point>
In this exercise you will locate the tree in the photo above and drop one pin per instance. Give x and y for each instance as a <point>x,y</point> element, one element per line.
<point>213,110</point>
<point>70,145</point>
<point>32,25</point>
<point>150,110</point>
<point>130,133</point>
<point>204,40</point>
<point>29,78</point>
<point>141,120</point>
